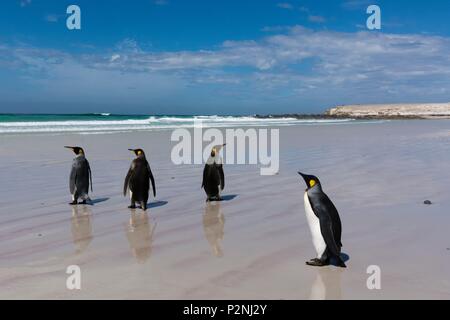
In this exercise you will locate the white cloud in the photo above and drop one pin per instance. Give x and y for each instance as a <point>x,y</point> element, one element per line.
<point>24,3</point>
<point>304,9</point>
<point>285,5</point>
<point>324,66</point>
<point>312,17</point>
<point>161,2</point>
<point>275,28</point>
<point>114,57</point>
<point>52,17</point>
<point>316,19</point>
<point>357,4</point>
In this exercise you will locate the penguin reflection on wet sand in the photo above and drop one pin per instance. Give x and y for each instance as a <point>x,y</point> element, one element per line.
<point>138,180</point>
<point>140,235</point>
<point>213,226</point>
<point>213,176</point>
<point>81,227</point>
<point>324,223</point>
<point>327,285</point>
<point>80,176</point>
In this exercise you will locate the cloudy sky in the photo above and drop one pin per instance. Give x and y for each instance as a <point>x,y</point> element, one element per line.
<point>220,57</point>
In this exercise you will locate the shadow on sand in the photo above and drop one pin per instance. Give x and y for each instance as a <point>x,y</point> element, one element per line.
<point>229,197</point>
<point>345,257</point>
<point>156,204</point>
<point>95,201</point>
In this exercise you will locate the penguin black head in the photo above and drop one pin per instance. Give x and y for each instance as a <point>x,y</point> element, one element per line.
<point>311,181</point>
<point>138,152</point>
<point>216,149</point>
<point>76,150</point>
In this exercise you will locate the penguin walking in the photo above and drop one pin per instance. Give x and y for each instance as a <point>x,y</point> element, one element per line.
<point>213,176</point>
<point>324,223</point>
<point>138,180</point>
<point>80,176</point>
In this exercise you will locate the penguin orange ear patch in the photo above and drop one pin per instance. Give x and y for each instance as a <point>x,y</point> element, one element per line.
<point>312,183</point>
<point>139,152</point>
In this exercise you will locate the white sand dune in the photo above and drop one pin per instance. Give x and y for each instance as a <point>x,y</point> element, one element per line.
<point>251,247</point>
<point>413,110</point>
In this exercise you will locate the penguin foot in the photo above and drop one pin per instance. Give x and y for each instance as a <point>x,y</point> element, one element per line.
<point>73,203</point>
<point>83,202</point>
<point>317,263</point>
<point>132,207</point>
<point>340,263</point>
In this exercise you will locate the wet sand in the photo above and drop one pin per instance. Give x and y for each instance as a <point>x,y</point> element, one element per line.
<point>252,246</point>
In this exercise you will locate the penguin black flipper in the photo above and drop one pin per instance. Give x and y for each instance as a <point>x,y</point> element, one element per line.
<point>152,179</point>
<point>335,219</point>
<point>73,180</point>
<point>320,208</point>
<point>127,181</point>
<point>326,229</point>
<point>205,175</point>
<point>90,174</point>
<point>222,176</point>
<point>328,206</point>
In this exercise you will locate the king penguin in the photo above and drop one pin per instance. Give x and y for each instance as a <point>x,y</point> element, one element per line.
<point>324,223</point>
<point>80,176</point>
<point>213,176</point>
<point>138,180</point>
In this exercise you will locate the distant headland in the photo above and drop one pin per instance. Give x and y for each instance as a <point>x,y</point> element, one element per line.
<point>378,111</point>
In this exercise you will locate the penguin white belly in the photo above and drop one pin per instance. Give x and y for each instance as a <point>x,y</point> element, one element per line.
<point>314,226</point>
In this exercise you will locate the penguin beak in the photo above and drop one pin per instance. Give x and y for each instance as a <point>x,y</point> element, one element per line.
<point>72,148</point>
<point>132,150</point>
<point>303,176</point>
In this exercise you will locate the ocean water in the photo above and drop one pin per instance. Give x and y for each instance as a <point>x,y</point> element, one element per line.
<point>106,122</point>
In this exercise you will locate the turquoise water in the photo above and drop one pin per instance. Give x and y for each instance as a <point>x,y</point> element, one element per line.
<point>105,122</point>
<point>68,117</point>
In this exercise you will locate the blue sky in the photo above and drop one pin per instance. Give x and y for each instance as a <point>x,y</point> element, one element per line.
<point>220,57</point>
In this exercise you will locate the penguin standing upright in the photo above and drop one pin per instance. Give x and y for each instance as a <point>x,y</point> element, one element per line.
<point>324,223</point>
<point>137,180</point>
<point>213,176</point>
<point>80,176</point>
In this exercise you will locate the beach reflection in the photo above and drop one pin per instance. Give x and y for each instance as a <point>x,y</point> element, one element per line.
<point>81,227</point>
<point>139,231</point>
<point>213,226</point>
<point>327,285</point>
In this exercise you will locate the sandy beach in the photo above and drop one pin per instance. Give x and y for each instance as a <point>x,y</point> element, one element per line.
<point>253,245</point>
